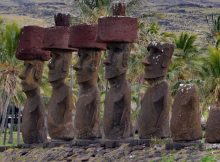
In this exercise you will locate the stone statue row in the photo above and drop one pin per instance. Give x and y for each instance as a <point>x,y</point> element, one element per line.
<point>64,121</point>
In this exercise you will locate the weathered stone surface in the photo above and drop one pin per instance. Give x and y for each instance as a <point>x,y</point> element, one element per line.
<point>154,116</point>
<point>117,29</point>
<point>119,9</point>
<point>57,38</point>
<point>33,126</point>
<point>87,118</point>
<point>84,36</point>
<point>60,107</point>
<point>117,32</point>
<point>117,112</point>
<point>182,145</point>
<point>84,142</point>
<point>186,118</point>
<point>157,63</point>
<point>212,134</point>
<point>62,19</point>
<point>155,112</point>
<point>30,44</point>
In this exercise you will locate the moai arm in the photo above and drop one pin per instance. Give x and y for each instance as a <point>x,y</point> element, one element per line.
<point>127,109</point>
<point>163,102</point>
<point>33,104</point>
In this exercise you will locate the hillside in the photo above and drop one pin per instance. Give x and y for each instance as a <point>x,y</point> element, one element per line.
<point>173,15</point>
<point>179,15</point>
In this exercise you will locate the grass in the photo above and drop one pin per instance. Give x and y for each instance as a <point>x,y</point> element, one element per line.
<point>22,20</point>
<point>7,137</point>
<point>168,158</point>
<point>208,158</point>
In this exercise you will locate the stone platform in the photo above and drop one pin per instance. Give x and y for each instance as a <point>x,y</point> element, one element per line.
<point>83,143</point>
<point>169,144</point>
<point>182,144</point>
<point>102,142</point>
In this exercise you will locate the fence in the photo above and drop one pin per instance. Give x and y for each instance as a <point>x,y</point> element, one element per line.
<point>10,132</point>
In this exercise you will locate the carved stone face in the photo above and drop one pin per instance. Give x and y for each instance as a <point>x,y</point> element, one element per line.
<point>116,61</point>
<point>59,65</point>
<point>157,62</point>
<point>31,75</point>
<point>87,65</point>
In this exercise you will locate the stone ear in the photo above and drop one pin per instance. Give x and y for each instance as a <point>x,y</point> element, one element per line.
<point>65,64</point>
<point>168,52</point>
<point>37,71</point>
<point>126,56</point>
<point>93,66</point>
<point>125,60</point>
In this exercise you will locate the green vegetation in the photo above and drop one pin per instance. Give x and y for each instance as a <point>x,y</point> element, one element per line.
<point>168,158</point>
<point>208,158</point>
<point>14,139</point>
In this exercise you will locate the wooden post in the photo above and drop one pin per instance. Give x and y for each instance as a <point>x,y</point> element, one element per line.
<point>10,140</point>
<point>19,125</point>
<point>5,126</point>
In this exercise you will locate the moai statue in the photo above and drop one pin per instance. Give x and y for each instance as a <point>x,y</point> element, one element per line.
<point>33,126</point>
<point>186,119</point>
<point>212,131</point>
<point>118,32</point>
<point>87,119</point>
<point>60,108</point>
<point>154,116</point>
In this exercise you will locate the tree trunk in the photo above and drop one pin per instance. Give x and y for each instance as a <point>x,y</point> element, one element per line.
<point>5,108</point>
<point>19,126</point>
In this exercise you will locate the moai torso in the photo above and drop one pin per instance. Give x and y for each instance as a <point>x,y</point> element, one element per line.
<point>33,120</point>
<point>154,116</point>
<point>117,122</point>
<point>186,119</point>
<point>33,126</point>
<point>60,107</point>
<point>212,131</point>
<point>88,104</point>
<point>155,112</point>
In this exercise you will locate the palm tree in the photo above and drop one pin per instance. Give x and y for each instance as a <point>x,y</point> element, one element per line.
<point>9,67</point>
<point>210,73</point>
<point>185,62</point>
<point>186,45</point>
<point>91,10</point>
<point>214,29</point>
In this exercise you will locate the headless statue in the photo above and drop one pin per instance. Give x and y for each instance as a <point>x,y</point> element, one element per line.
<point>153,120</point>
<point>212,131</point>
<point>117,112</point>
<point>60,107</point>
<point>186,119</point>
<point>88,104</point>
<point>33,126</point>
